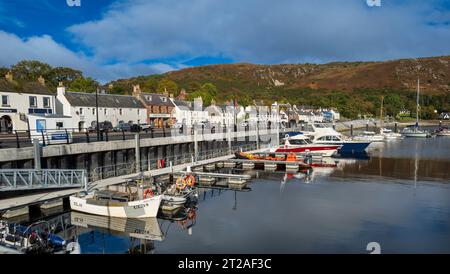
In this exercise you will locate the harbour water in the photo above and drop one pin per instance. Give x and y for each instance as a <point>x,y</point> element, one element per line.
<point>397,196</point>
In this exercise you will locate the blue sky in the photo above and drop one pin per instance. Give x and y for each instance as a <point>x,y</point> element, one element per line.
<point>110,39</point>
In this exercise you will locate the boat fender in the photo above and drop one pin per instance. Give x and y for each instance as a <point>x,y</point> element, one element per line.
<point>149,192</point>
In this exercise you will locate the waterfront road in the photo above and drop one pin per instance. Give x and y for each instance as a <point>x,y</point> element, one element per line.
<point>22,139</point>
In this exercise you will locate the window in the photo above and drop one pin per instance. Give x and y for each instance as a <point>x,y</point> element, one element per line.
<point>81,111</point>
<point>120,111</point>
<point>164,99</point>
<point>5,100</point>
<point>59,125</point>
<point>33,101</point>
<point>46,102</point>
<point>297,142</point>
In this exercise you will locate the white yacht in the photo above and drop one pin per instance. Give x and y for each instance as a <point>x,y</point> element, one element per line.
<point>414,130</point>
<point>322,134</point>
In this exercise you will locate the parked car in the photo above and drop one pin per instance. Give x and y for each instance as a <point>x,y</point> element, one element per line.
<point>106,125</point>
<point>145,127</point>
<point>123,127</point>
<point>135,128</point>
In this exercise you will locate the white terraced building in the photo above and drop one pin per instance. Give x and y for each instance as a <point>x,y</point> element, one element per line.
<point>114,108</point>
<point>16,104</point>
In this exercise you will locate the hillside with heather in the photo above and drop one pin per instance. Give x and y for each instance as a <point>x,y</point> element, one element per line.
<point>353,87</point>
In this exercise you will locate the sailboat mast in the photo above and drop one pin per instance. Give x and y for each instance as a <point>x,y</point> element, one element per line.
<point>417,110</point>
<point>381,112</point>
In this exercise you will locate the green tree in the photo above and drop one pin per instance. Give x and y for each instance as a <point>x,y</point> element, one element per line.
<point>84,85</point>
<point>3,71</point>
<point>30,70</point>
<point>207,91</point>
<point>151,85</point>
<point>117,90</point>
<point>62,74</point>
<point>167,85</point>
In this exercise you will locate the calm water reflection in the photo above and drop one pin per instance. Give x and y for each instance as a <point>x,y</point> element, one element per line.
<point>400,197</point>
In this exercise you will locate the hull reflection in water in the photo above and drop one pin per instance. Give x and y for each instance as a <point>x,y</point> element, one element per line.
<point>144,228</point>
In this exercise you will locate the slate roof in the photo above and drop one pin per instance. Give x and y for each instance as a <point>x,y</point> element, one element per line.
<point>183,104</point>
<point>83,99</point>
<point>156,99</point>
<point>28,87</point>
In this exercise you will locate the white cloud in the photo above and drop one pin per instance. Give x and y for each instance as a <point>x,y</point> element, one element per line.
<point>14,49</point>
<point>266,31</point>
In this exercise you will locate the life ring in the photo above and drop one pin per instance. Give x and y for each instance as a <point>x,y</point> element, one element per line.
<point>180,183</point>
<point>148,191</point>
<point>189,180</point>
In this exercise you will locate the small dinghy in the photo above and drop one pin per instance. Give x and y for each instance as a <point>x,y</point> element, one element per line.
<point>119,204</point>
<point>176,195</point>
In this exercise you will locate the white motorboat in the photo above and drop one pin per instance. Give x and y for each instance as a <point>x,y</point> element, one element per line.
<point>35,238</point>
<point>328,136</point>
<point>302,143</point>
<point>369,136</point>
<point>443,132</point>
<point>389,134</point>
<point>116,204</point>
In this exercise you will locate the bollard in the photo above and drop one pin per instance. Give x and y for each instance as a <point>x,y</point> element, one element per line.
<point>37,154</point>
<point>137,152</point>
<point>351,130</point>
<point>195,143</point>
<point>395,127</point>
<point>367,126</point>
<point>440,124</point>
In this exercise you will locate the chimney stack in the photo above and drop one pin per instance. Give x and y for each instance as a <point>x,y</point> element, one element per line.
<point>61,90</point>
<point>136,90</point>
<point>9,77</point>
<point>41,80</point>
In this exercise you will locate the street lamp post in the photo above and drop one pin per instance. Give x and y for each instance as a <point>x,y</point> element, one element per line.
<point>96,112</point>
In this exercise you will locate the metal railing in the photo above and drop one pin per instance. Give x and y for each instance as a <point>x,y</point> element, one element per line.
<point>24,138</point>
<point>23,179</point>
<point>110,171</point>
